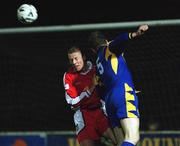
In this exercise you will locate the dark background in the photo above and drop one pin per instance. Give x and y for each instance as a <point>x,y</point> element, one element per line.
<point>32,68</point>
<point>58,12</point>
<point>32,65</point>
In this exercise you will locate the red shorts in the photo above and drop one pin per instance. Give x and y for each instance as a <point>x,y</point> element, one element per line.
<point>90,124</point>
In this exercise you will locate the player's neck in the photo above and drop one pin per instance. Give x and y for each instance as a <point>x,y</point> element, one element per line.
<point>85,68</point>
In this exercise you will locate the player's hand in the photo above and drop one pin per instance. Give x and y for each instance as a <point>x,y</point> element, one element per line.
<point>142,29</point>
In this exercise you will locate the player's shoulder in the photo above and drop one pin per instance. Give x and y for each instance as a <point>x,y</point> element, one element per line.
<point>102,49</point>
<point>69,72</point>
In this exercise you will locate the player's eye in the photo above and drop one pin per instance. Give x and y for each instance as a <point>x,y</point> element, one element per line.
<point>76,59</point>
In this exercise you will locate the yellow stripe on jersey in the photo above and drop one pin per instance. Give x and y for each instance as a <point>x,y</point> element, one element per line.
<point>114,60</point>
<point>107,53</point>
<point>127,87</point>
<point>129,97</point>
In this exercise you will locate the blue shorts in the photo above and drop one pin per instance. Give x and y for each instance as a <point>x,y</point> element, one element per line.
<point>121,102</point>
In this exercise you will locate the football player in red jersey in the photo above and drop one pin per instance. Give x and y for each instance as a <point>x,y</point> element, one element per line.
<point>81,94</point>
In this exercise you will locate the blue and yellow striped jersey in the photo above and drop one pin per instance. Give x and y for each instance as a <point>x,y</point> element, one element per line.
<point>111,67</point>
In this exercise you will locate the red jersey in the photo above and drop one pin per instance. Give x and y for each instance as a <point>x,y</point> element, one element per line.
<point>76,88</point>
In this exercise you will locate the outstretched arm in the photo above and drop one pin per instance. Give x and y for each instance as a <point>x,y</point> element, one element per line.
<point>125,36</point>
<point>118,41</point>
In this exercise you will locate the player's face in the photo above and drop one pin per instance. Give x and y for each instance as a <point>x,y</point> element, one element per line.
<point>76,59</point>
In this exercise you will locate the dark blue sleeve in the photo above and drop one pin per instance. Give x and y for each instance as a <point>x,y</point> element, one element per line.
<point>118,42</point>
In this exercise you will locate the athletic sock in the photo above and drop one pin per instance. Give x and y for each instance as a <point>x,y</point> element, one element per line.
<point>125,143</point>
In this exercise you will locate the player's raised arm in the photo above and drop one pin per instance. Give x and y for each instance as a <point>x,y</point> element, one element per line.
<point>117,43</point>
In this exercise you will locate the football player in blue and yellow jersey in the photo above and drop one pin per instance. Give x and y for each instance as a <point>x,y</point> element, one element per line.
<point>120,96</point>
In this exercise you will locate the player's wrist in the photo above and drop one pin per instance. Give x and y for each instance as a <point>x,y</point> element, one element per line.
<point>133,35</point>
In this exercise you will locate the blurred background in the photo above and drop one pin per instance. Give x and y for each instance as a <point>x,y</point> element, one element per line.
<point>81,12</point>
<point>32,67</point>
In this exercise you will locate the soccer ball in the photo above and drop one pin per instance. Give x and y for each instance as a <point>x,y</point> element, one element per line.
<point>27,13</point>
